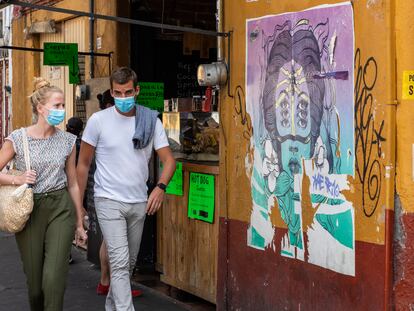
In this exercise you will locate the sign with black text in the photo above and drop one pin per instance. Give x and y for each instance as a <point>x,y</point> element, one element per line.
<point>201,197</point>
<point>62,54</point>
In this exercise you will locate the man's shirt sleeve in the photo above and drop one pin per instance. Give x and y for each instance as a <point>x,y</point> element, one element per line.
<point>91,132</point>
<point>160,138</point>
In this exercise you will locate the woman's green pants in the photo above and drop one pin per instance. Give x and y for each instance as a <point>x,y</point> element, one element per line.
<point>44,247</point>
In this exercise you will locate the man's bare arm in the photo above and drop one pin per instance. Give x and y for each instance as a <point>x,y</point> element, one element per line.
<point>86,155</point>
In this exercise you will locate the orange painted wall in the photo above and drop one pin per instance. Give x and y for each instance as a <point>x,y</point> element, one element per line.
<point>26,65</point>
<point>374,22</point>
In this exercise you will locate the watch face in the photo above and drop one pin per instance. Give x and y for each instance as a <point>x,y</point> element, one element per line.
<point>162,186</point>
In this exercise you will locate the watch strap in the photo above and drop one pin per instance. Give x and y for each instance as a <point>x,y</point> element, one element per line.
<point>162,186</point>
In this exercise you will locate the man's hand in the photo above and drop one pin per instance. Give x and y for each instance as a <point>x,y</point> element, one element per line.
<point>155,201</point>
<point>80,236</point>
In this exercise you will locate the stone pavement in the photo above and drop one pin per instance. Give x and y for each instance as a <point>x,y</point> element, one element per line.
<point>80,291</point>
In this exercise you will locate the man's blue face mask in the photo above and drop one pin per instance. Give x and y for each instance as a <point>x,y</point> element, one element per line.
<point>124,104</point>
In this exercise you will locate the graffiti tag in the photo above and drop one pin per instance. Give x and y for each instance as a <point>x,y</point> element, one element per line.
<point>320,183</point>
<point>240,109</point>
<point>368,136</point>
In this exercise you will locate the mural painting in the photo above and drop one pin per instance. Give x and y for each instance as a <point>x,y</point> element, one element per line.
<point>300,98</point>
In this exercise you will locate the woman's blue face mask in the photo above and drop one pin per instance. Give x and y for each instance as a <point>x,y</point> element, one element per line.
<point>55,116</point>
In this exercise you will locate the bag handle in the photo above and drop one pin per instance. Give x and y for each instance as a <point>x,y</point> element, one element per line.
<point>26,149</point>
<point>19,191</point>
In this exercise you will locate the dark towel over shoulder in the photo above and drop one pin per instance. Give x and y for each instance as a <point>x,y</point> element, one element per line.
<point>145,120</point>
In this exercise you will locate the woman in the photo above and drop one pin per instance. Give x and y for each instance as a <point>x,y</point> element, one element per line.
<point>46,240</point>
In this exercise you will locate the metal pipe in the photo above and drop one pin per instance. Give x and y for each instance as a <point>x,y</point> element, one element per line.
<point>110,63</point>
<point>391,156</point>
<point>21,48</point>
<point>219,21</point>
<point>91,38</point>
<point>229,65</point>
<point>113,18</point>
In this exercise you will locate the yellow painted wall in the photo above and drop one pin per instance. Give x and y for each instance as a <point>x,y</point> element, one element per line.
<point>405,112</point>
<point>26,65</point>
<point>373,21</point>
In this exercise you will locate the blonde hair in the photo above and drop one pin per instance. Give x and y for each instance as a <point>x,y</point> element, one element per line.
<point>41,93</point>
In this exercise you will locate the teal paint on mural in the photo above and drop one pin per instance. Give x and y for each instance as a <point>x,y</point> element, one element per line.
<point>295,239</point>
<point>256,239</point>
<point>284,184</point>
<point>339,226</point>
<point>286,253</point>
<point>265,215</point>
<point>296,197</point>
<point>259,198</point>
<point>318,198</point>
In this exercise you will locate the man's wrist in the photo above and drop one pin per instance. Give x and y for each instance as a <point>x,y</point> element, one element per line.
<point>162,186</point>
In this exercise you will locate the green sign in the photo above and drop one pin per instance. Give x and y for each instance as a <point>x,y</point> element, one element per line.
<point>151,95</point>
<point>201,197</point>
<point>62,54</point>
<point>175,186</point>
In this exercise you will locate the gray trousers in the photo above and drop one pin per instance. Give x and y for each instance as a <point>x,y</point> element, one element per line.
<point>121,225</point>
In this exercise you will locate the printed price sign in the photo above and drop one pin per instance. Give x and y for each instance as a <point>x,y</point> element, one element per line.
<point>201,197</point>
<point>151,95</point>
<point>408,85</point>
<point>175,186</point>
<point>62,54</point>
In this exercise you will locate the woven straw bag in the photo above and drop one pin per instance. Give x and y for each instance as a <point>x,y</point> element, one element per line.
<point>16,202</point>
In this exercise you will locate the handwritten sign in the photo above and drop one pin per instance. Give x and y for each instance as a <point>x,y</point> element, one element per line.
<point>201,197</point>
<point>151,95</point>
<point>175,186</point>
<point>62,54</point>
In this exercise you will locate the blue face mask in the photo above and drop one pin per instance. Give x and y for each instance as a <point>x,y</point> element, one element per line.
<point>124,104</point>
<point>55,116</point>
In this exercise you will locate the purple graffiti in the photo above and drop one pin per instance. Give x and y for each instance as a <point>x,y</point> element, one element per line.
<point>321,182</point>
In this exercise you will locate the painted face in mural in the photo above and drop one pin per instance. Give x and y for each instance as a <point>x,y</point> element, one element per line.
<point>293,98</point>
<point>293,120</point>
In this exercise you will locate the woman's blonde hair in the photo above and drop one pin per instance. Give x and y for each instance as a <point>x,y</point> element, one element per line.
<point>41,93</point>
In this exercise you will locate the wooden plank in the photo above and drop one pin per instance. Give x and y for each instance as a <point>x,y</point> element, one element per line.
<point>198,168</point>
<point>192,244</point>
<point>167,231</point>
<point>189,246</point>
<point>214,240</point>
<point>189,289</point>
<point>180,238</point>
<point>160,231</point>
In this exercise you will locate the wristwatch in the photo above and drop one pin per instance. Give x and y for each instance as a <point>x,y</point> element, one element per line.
<point>162,186</point>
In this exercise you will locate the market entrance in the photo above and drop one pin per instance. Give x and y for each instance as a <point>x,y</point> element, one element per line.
<point>182,250</point>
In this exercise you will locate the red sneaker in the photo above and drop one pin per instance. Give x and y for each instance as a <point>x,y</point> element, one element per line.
<point>102,289</point>
<point>136,293</point>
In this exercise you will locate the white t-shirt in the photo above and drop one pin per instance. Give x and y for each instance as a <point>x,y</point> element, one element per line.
<point>121,170</point>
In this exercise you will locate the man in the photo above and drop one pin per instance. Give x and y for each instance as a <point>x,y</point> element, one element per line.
<point>121,200</point>
<point>75,127</point>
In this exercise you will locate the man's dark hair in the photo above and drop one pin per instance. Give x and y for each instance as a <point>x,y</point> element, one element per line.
<point>123,75</point>
<point>105,99</point>
<point>74,126</point>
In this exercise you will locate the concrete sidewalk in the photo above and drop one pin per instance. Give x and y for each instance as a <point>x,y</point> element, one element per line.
<point>80,291</point>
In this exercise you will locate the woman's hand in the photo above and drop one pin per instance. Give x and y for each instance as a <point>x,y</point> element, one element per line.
<point>28,177</point>
<point>80,235</point>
